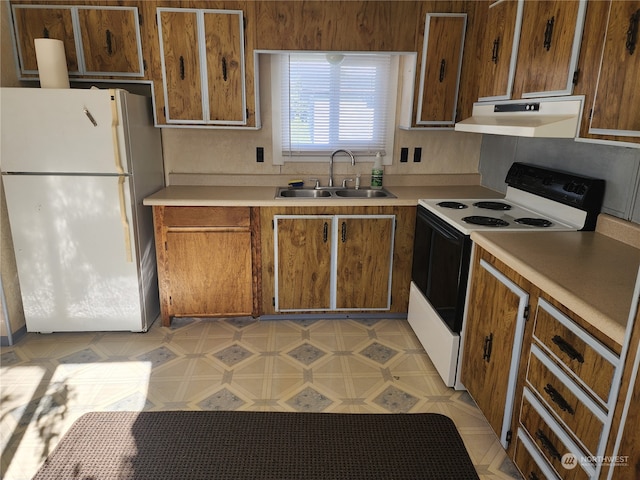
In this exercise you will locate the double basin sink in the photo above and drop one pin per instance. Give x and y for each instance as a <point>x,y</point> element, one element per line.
<point>332,192</point>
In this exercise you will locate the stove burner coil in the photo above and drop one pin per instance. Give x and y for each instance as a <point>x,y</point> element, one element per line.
<point>485,221</point>
<point>489,205</point>
<point>534,222</point>
<point>456,205</point>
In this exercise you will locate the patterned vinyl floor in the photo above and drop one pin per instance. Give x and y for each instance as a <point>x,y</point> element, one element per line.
<point>355,366</point>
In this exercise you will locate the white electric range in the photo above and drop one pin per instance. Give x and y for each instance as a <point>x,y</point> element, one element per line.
<point>536,199</point>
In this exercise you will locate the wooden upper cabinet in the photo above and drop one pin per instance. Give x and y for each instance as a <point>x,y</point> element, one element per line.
<point>31,22</point>
<point>616,109</point>
<point>98,41</point>
<point>548,48</point>
<point>110,41</point>
<point>440,69</point>
<point>203,69</point>
<point>499,49</point>
<point>225,66</point>
<point>178,30</point>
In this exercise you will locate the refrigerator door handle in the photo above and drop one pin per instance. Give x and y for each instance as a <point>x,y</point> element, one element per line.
<point>114,132</point>
<point>125,221</point>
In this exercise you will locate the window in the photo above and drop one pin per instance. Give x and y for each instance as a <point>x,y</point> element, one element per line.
<point>323,102</point>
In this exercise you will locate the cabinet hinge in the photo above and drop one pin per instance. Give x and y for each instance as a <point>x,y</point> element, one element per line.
<point>590,114</point>
<point>273,225</point>
<point>165,246</point>
<point>575,76</point>
<point>527,309</point>
<point>170,300</point>
<point>273,301</point>
<point>144,64</point>
<point>140,20</point>
<point>508,437</point>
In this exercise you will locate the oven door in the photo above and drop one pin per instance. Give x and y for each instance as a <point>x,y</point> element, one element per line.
<point>441,259</point>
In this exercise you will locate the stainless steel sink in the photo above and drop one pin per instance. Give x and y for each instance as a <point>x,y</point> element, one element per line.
<point>365,193</point>
<point>286,192</point>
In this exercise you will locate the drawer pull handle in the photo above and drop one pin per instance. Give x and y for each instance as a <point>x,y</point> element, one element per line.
<point>548,33</point>
<point>494,53</point>
<point>558,399</point>
<point>488,346</point>
<point>567,348</point>
<point>548,446</point>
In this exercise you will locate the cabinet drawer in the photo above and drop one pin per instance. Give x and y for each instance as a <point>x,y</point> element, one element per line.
<point>530,461</point>
<point>207,216</point>
<point>590,360</point>
<point>566,399</point>
<point>552,441</point>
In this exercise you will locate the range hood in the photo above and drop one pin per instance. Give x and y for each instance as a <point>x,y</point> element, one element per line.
<point>542,117</point>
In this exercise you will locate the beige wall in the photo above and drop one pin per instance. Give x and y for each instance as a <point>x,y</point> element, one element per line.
<point>8,272</point>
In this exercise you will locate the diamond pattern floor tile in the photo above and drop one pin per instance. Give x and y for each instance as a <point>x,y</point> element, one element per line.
<point>351,366</point>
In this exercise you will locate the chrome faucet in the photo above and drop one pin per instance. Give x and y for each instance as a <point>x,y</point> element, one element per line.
<point>353,162</point>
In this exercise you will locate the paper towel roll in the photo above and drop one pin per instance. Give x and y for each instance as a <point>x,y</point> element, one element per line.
<point>52,63</point>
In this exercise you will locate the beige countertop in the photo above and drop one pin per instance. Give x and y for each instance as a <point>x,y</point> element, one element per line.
<point>590,273</point>
<point>252,196</point>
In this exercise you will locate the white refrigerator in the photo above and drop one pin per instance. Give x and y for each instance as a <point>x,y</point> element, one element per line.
<point>76,165</point>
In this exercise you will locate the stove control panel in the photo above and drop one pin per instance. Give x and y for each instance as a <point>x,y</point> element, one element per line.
<point>578,191</point>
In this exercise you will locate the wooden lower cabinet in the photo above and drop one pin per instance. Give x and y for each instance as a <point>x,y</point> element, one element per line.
<point>207,261</point>
<point>493,341</point>
<point>555,389</point>
<point>318,259</point>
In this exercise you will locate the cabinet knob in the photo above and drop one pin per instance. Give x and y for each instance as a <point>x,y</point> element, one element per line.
<point>494,53</point>
<point>109,42</point>
<point>548,33</point>
<point>632,33</point>
<point>567,348</point>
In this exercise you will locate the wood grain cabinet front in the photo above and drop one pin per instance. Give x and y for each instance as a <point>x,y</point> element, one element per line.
<point>493,339</point>
<point>617,98</point>
<point>203,66</point>
<point>331,262</point>
<point>336,259</point>
<point>99,41</point>
<point>441,67</point>
<point>206,261</point>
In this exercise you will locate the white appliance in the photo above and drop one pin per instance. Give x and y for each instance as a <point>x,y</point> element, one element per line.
<point>76,165</point>
<point>537,199</point>
<point>553,117</point>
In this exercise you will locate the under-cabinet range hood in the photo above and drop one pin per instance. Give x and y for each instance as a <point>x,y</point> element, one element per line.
<point>542,117</point>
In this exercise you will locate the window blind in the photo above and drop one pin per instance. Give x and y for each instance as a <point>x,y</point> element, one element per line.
<point>331,105</point>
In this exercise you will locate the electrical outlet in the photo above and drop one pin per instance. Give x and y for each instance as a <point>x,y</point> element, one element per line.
<point>417,154</point>
<point>259,154</point>
<point>404,154</point>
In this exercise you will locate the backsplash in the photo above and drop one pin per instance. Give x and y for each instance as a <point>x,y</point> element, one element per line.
<point>618,166</point>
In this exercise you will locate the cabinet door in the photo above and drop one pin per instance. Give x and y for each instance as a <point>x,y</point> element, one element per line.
<point>365,252</point>
<point>549,47</point>
<point>498,54</point>
<point>617,101</point>
<point>224,39</point>
<point>33,22</point>
<point>210,272</point>
<point>492,345</point>
<point>441,66</point>
<point>110,41</point>
<point>181,68</point>
<point>302,262</point>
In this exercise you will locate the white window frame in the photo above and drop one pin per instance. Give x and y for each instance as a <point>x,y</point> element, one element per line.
<point>279,158</point>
